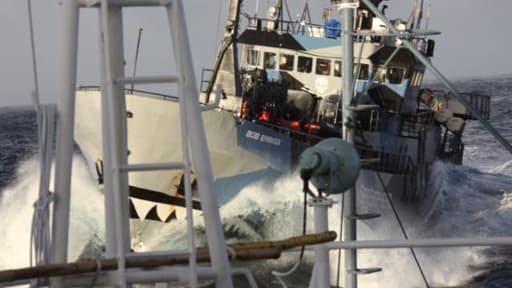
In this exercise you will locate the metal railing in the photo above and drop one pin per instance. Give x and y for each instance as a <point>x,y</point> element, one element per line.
<point>206,74</point>
<point>480,102</point>
<point>131,91</point>
<point>411,125</point>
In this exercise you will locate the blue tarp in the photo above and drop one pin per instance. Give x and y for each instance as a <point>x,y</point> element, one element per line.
<point>332,29</point>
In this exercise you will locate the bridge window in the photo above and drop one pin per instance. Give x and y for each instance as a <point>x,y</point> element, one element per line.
<point>363,71</point>
<point>305,64</point>
<point>286,62</point>
<point>323,66</point>
<point>269,59</point>
<point>337,68</point>
<point>395,75</point>
<point>252,57</point>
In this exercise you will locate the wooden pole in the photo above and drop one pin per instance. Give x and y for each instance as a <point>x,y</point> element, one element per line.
<point>243,252</point>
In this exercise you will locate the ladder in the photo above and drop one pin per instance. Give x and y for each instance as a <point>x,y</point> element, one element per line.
<point>115,150</point>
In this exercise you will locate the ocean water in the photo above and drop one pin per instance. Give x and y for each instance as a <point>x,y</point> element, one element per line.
<point>475,201</point>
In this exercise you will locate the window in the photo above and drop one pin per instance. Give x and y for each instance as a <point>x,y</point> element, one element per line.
<point>380,74</point>
<point>395,75</point>
<point>269,59</point>
<point>417,77</point>
<point>363,71</point>
<point>252,57</point>
<point>327,111</point>
<point>337,68</point>
<point>323,66</point>
<point>305,64</point>
<point>286,62</point>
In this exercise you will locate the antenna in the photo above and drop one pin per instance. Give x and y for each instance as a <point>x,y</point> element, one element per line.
<point>136,58</point>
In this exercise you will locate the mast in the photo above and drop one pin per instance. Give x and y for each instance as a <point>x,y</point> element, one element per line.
<point>350,231</point>
<point>228,52</point>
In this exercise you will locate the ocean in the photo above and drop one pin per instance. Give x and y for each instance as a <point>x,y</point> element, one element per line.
<point>475,201</point>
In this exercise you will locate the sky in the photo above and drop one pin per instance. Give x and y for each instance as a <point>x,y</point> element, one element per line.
<point>475,40</point>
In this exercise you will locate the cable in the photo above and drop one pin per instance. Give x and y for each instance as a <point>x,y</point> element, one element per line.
<point>395,212</point>
<point>218,23</point>
<point>305,177</point>
<point>403,231</point>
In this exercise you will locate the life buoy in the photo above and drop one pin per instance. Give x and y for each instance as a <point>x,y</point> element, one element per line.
<point>265,116</point>
<point>426,96</point>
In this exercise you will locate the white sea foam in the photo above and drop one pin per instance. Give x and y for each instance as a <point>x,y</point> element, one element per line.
<point>277,211</point>
<point>16,212</point>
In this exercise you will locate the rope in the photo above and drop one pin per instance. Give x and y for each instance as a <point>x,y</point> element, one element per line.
<point>395,212</point>
<point>40,230</point>
<point>33,50</point>
<point>425,281</point>
<point>97,274</point>
<point>306,191</point>
<point>232,252</point>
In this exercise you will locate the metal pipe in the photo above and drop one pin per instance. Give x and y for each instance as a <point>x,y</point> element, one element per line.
<point>350,228</point>
<point>199,147</point>
<point>33,51</point>
<point>65,126</point>
<point>321,278</point>
<point>146,80</point>
<point>169,274</point>
<point>422,243</point>
<point>116,108</point>
<point>441,78</point>
<point>110,236</point>
<point>125,3</point>
<point>151,167</point>
<point>192,272</point>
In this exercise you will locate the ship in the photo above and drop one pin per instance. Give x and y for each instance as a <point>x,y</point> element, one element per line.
<point>286,110</point>
<point>277,88</point>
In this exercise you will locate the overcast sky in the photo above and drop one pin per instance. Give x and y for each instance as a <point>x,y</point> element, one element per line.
<point>475,41</point>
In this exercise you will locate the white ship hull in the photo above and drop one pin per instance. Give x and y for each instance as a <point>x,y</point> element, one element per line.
<point>154,137</point>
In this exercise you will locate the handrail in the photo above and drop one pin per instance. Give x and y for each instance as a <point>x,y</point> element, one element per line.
<point>152,94</point>
<point>422,243</point>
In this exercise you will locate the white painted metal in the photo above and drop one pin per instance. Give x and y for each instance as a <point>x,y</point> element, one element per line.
<point>192,130</point>
<point>152,167</point>
<point>196,134</point>
<point>110,224</point>
<point>112,31</point>
<point>147,80</point>
<point>64,149</point>
<point>422,243</point>
<point>346,8</point>
<point>192,272</point>
<point>321,272</point>
<point>126,3</point>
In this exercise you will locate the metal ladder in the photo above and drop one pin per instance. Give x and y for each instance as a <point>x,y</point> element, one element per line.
<point>115,151</point>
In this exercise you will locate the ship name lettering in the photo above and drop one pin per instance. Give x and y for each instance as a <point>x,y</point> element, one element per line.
<point>270,140</point>
<point>252,135</point>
